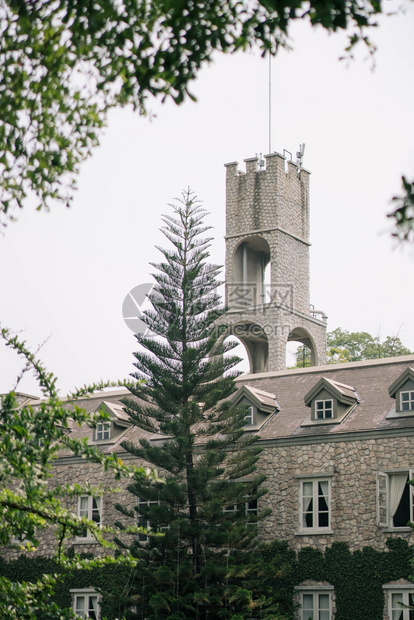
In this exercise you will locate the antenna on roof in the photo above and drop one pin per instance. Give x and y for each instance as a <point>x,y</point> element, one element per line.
<point>261,162</point>
<point>299,156</point>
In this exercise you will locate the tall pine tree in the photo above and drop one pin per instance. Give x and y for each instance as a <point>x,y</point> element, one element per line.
<point>205,506</point>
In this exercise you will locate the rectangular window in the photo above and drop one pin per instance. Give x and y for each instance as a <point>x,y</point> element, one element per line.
<point>395,498</point>
<point>249,417</point>
<point>89,508</point>
<point>399,603</point>
<point>250,507</point>
<point>316,606</point>
<point>407,401</point>
<point>103,431</point>
<point>323,409</point>
<point>144,521</point>
<point>315,504</point>
<point>86,603</point>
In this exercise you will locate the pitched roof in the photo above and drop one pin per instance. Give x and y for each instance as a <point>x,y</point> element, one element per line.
<point>408,373</point>
<point>344,393</point>
<point>263,400</point>
<point>370,380</point>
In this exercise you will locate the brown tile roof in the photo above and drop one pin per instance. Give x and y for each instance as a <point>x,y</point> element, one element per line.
<point>370,381</point>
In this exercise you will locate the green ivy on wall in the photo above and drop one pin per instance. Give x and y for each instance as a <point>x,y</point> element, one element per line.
<point>275,570</point>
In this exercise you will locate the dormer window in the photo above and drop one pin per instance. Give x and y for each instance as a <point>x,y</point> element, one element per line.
<point>324,409</point>
<point>330,402</point>
<point>259,406</point>
<point>402,390</point>
<point>407,401</point>
<point>103,431</point>
<point>114,425</point>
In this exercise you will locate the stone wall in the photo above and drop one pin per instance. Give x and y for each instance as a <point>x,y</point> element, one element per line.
<point>352,466</point>
<point>77,471</point>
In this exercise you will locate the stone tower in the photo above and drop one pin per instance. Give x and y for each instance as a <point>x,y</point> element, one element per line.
<point>267,262</point>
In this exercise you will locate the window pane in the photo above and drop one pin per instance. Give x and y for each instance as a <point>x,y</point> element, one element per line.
<point>96,509</point>
<point>83,506</point>
<point>307,502</point>
<point>402,514</point>
<point>80,606</point>
<point>93,607</point>
<point>411,604</point>
<point>307,489</point>
<point>323,504</point>
<point>307,607</point>
<point>324,601</point>
<point>397,610</point>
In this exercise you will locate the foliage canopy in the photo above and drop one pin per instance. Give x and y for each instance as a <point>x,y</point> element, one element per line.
<point>32,435</point>
<point>64,64</point>
<point>344,346</point>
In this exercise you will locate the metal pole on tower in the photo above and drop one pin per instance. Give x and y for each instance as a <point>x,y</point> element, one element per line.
<point>270,102</point>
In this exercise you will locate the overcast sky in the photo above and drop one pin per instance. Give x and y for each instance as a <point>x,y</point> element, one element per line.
<point>66,273</point>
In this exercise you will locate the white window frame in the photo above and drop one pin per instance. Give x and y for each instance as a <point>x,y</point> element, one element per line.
<point>384,516</point>
<point>91,511</point>
<point>316,592</point>
<point>324,409</point>
<point>103,430</point>
<point>251,506</point>
<point>304,505</point>
<point>146,523</point>
<point>404,592</point>
<point>410,401</point>
<point>249,417</point>
<point>88,595</point>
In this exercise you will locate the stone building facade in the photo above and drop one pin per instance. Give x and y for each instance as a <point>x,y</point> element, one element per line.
<point>337,440</point>
<point>338,453</point>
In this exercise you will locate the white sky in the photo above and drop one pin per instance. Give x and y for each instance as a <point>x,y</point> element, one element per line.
<point>65,273</point>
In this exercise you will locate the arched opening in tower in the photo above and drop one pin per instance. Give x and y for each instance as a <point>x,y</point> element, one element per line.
<point>239,351</point>
<point>251,274</point>
<point>300,349</point>
<point>255,347</point>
